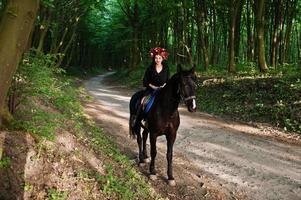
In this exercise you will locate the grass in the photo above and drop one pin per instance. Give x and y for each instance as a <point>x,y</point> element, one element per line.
<point>5,162</point>
<point>54,194</point>
<point>50,102</point>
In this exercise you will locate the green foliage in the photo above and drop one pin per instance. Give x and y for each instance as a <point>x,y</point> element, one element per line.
<point>48,3</point>
<point>5,162</point>
<point>84,73</point>
<point>274,100</point>
<point>45,89</point>
<point>50,102</point>
<point>116,185</point>
<point>121,179</point>
<point>2,6</point>
<point>54,194</point>
<point>133,79</point>
<point>41,123</point>
<point>27,187</point>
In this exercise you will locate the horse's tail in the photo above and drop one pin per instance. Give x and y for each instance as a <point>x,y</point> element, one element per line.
<point>132,118</point>
<point>135,100</point>
<point>131,127</point>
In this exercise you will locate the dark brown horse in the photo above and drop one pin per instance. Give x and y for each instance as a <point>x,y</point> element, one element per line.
<point>163,118</point>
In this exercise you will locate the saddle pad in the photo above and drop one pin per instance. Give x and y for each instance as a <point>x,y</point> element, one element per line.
<point>149,101</point>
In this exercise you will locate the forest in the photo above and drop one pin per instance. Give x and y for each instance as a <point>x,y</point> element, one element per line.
<point>221,37</point>
<point>247,55</point>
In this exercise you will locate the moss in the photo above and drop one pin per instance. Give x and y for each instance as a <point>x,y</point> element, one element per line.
<point>5,117</point>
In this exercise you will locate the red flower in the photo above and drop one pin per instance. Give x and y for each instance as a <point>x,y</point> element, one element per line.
<point>159,51</point>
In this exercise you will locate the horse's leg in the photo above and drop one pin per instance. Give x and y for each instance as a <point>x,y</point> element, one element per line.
<point>153,140</point>
<point>144,151</point>
<point>139,141</point>
<point>170,141</point>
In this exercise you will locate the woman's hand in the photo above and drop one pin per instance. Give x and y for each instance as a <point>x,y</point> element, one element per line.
<point>162,86</point>
<point>153,87</point>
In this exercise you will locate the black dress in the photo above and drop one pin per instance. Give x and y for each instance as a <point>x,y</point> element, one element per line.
<point>151,76</point>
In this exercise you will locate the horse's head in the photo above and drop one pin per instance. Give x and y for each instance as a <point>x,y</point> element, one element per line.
<point>188,87</point>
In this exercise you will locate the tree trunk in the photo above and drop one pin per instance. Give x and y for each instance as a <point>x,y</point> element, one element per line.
<point>291,14</point>
<point>260,35</point>
<point>66,49</point>
<point>60,44</point>
<point>43,32</point>
<point>234,7</point>
<point>237,30</point>
<point>70,57</point>
<point>214,53</point>
<point>275,38</point>
<point>299,48</point>
<point>250,43</point>
<point>15,27</point>
<point>200,20</point>
<point>281,32</point>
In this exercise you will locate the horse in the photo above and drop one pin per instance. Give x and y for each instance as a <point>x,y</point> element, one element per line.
<point>163,117</point>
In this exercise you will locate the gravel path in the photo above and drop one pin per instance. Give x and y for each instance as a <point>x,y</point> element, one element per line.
<point>239,158</point>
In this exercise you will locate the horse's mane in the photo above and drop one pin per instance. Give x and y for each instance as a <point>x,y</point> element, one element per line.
<point>174,80</point>
<point>171,85</point>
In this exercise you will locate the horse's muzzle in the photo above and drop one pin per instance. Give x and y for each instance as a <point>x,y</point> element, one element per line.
<point>190,109</point>
<point>190,103</point>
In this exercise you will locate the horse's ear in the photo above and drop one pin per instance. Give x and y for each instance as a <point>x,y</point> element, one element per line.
<point>179,68</point>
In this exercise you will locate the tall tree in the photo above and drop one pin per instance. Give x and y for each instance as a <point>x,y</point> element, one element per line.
<point>278,21</point>
<point>250,33</point>
<point>201,17</point>
<point>234,10</point>
<point>259,5</point>
<point>291,12</point>
<point>15,27</point>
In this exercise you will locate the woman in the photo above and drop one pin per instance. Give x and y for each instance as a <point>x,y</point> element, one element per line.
<point>155,76</point>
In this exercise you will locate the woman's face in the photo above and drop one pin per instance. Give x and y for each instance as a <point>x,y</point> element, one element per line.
<point>158,59</point>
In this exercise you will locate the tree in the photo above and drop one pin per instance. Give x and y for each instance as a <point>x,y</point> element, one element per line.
<point>15,27</point>
<point>259,5</point>
<point>201,15</point>
<point>234,11</point>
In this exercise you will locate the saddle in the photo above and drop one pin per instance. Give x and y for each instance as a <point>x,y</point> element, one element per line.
<point>147,102</point>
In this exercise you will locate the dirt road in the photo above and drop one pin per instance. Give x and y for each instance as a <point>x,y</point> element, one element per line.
<point>239,160</point>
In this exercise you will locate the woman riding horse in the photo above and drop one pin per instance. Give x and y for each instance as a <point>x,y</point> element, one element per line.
<point>163,118</point>
<point>155,77</point>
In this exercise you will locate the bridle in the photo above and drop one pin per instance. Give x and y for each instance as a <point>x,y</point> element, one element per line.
<point>189,98</point>
<point>185,99</point>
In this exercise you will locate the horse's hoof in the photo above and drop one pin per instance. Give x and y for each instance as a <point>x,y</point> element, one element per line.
<point>171,182</point>
<point>153,177</point>
<point>146,160</point>
<point>141,164</point>
<point>132,137</point>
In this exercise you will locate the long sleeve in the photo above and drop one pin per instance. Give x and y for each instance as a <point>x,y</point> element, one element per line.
<point>147,77</point>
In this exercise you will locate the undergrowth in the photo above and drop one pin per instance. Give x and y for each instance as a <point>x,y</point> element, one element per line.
<point>273,97</point>
<point>50,102</point>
